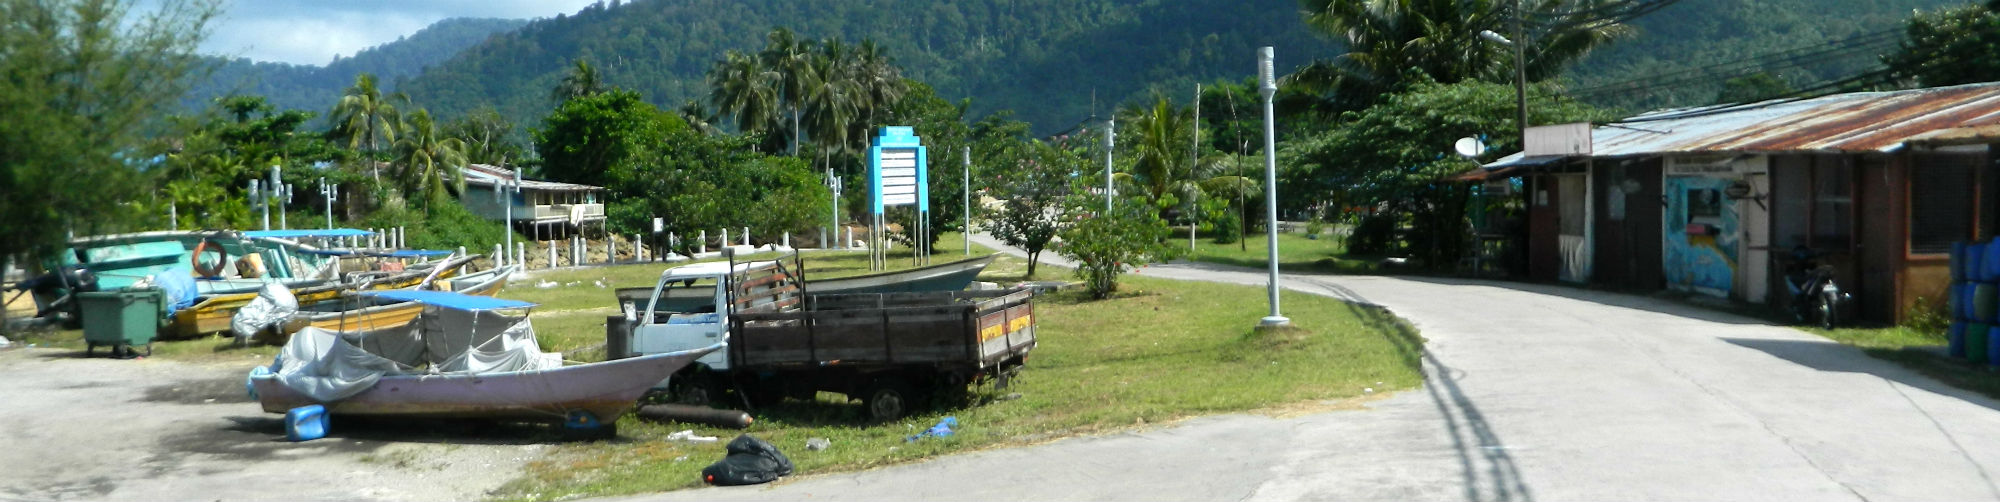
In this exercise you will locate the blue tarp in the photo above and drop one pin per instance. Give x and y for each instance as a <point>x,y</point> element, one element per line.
<point>177,284</point>
<point>293,234</point>
<point>448,299</point>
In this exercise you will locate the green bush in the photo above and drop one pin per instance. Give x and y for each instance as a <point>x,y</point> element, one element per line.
<point>1376,234</point>
<point>1106,246</point>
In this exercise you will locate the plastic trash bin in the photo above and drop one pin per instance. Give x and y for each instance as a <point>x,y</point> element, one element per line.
<point>120,320</point>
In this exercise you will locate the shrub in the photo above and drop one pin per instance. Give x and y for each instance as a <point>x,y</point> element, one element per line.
<point>1106,246</point>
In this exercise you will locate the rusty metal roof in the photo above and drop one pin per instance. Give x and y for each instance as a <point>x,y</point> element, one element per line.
<point>1841,123</point>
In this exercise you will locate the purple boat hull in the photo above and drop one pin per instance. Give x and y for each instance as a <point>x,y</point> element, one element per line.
<point>607,390</point>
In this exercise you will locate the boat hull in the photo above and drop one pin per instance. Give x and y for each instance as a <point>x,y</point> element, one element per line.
<point>607,390</point>
<point>212,314</point>
<point>385,316</point>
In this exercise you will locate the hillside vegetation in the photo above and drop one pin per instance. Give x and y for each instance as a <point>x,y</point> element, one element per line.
<point>310,87</point>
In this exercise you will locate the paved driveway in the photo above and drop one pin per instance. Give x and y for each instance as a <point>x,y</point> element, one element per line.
<point>1531,393</point>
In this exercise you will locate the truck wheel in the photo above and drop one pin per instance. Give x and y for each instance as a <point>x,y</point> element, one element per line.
<point>888,399</point>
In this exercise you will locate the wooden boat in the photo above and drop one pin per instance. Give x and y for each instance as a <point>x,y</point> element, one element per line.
<point>354,312</point>
<point>954,276</point>
<point>457,335</point>
<point>117,261</point>
<point>211,313</point>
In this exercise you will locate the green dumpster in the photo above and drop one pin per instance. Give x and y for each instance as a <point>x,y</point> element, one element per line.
<point>120,320</point>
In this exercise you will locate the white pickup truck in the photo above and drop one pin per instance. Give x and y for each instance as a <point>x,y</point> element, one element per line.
<point>890,350</point>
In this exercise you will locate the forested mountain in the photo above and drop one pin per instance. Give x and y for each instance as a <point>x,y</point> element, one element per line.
<point>1044,59</point>
<point>1050,60</point>
<point>1681,54</point>
<point>315,88</point>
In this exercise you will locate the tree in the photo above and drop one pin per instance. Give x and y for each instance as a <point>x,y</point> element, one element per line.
<point>1167,166</point>
<point>1392,43</point>
<point>84,79</point>
<point>365,119</point>
<point>1393,155</point>
<point>1032,191</point>
<point>488,137</point>
<point>746,91</point>
<point>587,139</point>
<point>696,182</point>
<point>582,81</point>
<point>431,164</point>
<point>1950,46</point>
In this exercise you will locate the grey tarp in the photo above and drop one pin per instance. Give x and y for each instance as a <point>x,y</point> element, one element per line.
<point>330,366</point>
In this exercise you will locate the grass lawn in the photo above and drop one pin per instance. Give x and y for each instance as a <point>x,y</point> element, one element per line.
<point>1919,350</point>
<point>1159,351</point>
<point>1296,253</point>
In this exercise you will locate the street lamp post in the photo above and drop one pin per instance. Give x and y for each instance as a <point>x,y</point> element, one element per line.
<point>967,234</point>
<point>1268,87</point>
<point>1110,144</point>
<point>1519,43</point>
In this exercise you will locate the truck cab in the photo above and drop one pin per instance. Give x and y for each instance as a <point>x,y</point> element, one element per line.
<point>688,309</point>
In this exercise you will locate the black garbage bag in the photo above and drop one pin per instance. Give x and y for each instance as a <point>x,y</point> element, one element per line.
<point>750,461</point>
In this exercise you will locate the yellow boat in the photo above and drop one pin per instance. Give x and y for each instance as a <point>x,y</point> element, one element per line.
<point>341,316</point>
<point>212,314</point>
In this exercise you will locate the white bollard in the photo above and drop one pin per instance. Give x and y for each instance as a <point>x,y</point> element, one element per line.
<point>788,239</point>
<point>610,249</point>
<point>499,256</point>
<point>521,254</point>
<point>850,238</point>
<point>576,254</point>
<point>703,243</point>
<point>746,236</point>
<point>552,254</point>
<point>725,237</point>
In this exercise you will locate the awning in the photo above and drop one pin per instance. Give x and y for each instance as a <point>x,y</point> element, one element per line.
<point>1507,167</point>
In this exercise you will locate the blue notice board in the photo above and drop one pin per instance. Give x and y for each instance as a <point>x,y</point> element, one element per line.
<point>898,170</point>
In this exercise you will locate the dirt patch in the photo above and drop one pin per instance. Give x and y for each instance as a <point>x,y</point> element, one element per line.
<point>94,429</point>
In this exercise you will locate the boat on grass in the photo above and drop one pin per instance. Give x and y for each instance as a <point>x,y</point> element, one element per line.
<point>954,276</point>
<point>361,312</point>
<point>465,357</point>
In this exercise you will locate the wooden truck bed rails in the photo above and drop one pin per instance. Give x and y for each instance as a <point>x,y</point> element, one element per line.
<point>976,329</point>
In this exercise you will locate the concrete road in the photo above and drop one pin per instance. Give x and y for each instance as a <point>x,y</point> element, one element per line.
<point>1532,393</point>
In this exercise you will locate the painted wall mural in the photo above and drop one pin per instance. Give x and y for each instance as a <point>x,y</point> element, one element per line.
<point>1701,236</point>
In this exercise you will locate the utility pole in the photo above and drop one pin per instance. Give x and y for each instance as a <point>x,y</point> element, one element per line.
<point>1268,86</point>
<point>1194,162</point>
<point>967,234</point>
<point>330,192</point>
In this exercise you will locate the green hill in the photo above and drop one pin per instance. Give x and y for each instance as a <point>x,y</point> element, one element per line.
<point>1043,59</point>
<point>309,87</point>
<point>1053,62</point>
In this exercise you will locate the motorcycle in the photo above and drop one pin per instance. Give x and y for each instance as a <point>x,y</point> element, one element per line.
<point>1816,298</point>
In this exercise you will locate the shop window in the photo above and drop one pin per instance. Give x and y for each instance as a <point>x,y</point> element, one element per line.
<point>1833,202</point>
<point>1943,190</point>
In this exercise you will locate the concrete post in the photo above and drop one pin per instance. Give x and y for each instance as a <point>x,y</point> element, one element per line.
<point>787,242</point>
<point>746,236</point>
<point>725,237</point>
<point>552,254</point>
<point>702,245</point>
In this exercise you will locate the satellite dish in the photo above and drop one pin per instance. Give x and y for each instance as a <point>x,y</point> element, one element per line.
<point>1470,147</point>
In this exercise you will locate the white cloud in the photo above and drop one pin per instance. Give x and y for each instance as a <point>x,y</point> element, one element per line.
<point>313,31</point>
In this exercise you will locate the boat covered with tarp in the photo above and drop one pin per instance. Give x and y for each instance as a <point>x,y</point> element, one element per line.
<point>464,357</point>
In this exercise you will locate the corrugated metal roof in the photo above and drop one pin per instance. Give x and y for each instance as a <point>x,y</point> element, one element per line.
<point>1849,123</point>
<point>485,175</point>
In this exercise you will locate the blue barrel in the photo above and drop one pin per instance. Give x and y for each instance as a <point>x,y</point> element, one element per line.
<point>306,423</point>
<point>1955,300</point>
<point>1985,301</point>
<point>1975,262</point>
<point>1958,261</point>
<point>1956,340</point>
<point>1993,346</point>
<point>1975,341</point>
<point>1989,264</point>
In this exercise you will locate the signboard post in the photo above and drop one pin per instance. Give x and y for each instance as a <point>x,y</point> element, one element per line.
<point>898,176</point>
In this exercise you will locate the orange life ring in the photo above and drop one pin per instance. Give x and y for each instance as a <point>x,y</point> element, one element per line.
<point>222,260</point>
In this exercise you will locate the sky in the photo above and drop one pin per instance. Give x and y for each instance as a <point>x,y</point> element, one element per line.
<point>313,31</point>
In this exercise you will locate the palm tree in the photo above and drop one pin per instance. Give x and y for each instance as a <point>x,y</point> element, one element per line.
<point>742,88</point>
<point>1162,164</point>
<point>430,164</point>
<point>366,118</point>
<point>1391,42</point>
<point>881,83</point>
<point>582,81</point>
<point>832,98</point>
<point>792,60</point>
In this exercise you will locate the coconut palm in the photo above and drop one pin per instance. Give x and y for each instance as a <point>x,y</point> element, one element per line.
<point>1392,42</point>
<point>792,59</point>
<point>1164,168</point>
<point>832,98</point>
<point>365,118</point>
<point>742,88</point>
<point>430,164</point>
<point>582,81</point>
<point>880,82</point>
